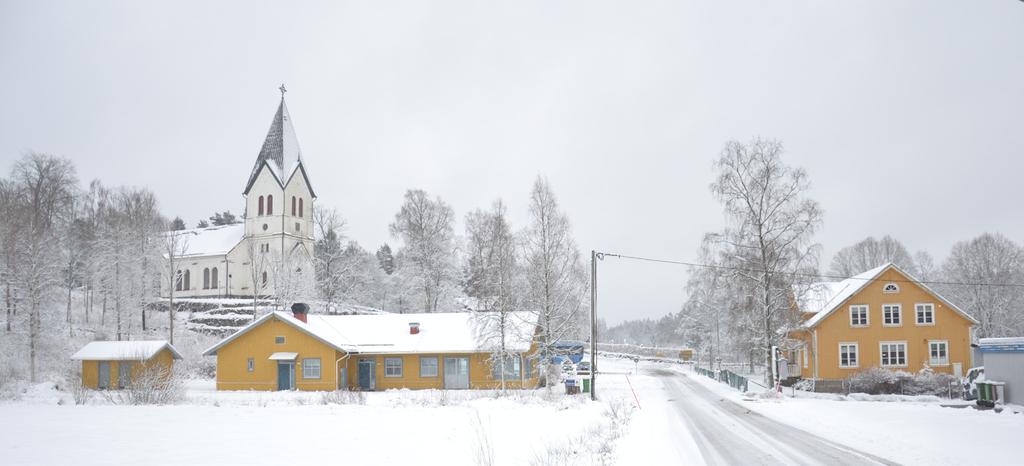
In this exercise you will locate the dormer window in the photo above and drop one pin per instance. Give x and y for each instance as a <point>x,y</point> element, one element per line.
<point>891,288</point>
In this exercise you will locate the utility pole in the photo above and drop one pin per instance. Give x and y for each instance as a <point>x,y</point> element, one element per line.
<point>593,324</point>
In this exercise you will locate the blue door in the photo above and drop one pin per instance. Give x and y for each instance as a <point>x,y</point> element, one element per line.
<point>103,375</point>
<point>285,375</point>
<point>366,374</point>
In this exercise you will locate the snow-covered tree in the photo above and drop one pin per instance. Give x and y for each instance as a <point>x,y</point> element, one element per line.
<point>870,253</point>
<point>772,222</point>
<point>986,262</point>
<point>257,266</point>
<point>426,228</point>
<point>44,188</point>
<point>493,277</point>
<point>328,255</point>
<point>224,218</point>
<point>174,245</point>
<point>385,259</point>
<point>557,282</point>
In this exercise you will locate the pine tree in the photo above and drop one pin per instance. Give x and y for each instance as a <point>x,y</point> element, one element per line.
<point>386,259</point>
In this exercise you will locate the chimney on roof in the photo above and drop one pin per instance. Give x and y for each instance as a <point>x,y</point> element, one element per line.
<point>300,310</point>
<point>414,328</point>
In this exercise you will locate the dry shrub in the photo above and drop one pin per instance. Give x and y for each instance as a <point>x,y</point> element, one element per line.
<point>878,381</point>
<point>151,384</point>
<point>483,450</point>
<point>343,397</point>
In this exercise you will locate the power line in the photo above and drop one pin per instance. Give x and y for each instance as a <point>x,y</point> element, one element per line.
<point>602,255</point>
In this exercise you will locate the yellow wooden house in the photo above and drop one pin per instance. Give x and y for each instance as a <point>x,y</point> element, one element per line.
<point>883,318</point>
<point>301,351</point>
<point>115,364</point>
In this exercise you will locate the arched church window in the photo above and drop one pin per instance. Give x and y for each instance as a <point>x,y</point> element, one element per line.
<point>293,206</point>
<point>261,205</point>
<point>300,207</point>
<point>270,205</point>
<point>206,278</point>
<point>213,278</point>
<point>188,281</point>
<point>264,277</point>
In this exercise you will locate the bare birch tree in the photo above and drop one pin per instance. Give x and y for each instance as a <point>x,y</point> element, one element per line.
<point>426,228</point>
<point>44,185</point>
<point>772,223</point>
<point>494,278</point>
<point>870,253</point>
<point>986,262</point>
<point>556,275</point>
<point>174,245</point>
<point>258,267</point>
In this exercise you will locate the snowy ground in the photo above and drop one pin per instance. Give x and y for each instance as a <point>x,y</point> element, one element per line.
<point>906,430</point>
<point>394,427</point>
<point>665,415</point>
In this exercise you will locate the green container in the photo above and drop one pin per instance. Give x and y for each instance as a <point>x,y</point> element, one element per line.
<point>586,385</point>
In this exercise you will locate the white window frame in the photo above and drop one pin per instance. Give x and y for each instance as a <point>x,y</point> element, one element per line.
<point>437,364</point>
<point>401,368</point>
<point>279,340</point>
<point>906,353</point>
<point>867,315</point>
<point>940,363</point>
<point>899,315</point>
<point>917,316</point>
<point>885,288</point>
<point>251,365</point>
<point>856,354</point>
<point>307,370</point>
<point>806,356</point>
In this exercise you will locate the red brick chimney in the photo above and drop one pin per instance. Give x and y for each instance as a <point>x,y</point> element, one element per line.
<point>300,311</point>
<point>414,328</point>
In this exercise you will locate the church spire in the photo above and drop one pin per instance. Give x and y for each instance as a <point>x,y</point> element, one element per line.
<point>280,149</point>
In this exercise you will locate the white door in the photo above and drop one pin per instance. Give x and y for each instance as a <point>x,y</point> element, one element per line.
<point>456,373</point>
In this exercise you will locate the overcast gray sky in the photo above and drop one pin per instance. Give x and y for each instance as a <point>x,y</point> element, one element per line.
<point>907,115</point>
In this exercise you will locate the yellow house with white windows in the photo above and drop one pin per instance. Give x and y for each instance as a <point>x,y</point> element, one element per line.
<point>298,351</point>
<point>884,318</point>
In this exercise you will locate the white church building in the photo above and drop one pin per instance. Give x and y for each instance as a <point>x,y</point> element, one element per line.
<point>271,252</point>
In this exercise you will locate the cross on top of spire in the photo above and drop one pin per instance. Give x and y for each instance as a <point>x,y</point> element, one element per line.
<point>283,90</point>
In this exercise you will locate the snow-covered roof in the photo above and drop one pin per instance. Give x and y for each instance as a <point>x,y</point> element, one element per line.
<point>824,298</point>
<point>1002,345</point>
<point>210,241</point>
<point>280,151</point>
<point>456,332</point>
<point>123,350</point>
<point>283,356</point>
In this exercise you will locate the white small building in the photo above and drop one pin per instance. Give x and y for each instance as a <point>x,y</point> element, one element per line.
<point>271,252</point>
<point>1004,362</point>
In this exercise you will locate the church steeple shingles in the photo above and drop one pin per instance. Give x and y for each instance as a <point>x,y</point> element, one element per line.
<point>280,151</point>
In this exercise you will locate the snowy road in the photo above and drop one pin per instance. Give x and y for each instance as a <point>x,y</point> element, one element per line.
<point>728,433</point>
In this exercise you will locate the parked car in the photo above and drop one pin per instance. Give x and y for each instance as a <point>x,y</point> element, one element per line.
<point>583,368</point>
<point>970,381</point>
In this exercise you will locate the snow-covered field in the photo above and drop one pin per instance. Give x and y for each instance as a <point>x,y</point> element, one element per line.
<point>637,422</point>
<point>393,427</point>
